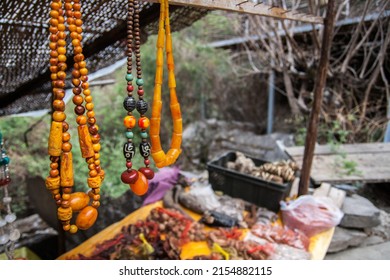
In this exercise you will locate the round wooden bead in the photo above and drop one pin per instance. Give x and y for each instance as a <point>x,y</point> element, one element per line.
<point>66,147</point>
<point>66,227</point>
<point>73,229</point>
<point>54,173</point>
<point>59,105</point>
<point>59,116</point>
<point>95,204</point>
<point>81,120</point>
<point>77,99</point>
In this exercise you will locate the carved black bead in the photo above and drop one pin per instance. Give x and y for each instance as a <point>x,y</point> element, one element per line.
<point>128,150</point>
<point>144,148</point>
<point>129,103</point>
<point>142,106</point>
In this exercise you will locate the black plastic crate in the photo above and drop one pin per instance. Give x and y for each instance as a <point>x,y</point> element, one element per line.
<point>263,193</point>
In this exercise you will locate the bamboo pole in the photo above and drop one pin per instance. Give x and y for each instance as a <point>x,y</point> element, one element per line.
<point>311,135</point>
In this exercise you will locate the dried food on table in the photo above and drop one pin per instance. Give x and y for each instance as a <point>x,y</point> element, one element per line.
<point>281,235</point>
<point>286,252</point>
<point>230,244</point>
<point>160,236</point>
<point>280,172</point>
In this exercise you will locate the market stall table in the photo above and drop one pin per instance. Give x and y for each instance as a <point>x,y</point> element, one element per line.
<point>318,243</point>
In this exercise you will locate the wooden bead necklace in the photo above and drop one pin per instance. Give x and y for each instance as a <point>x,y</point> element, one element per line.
<point>9,234</point>
<point>160,158</point>
<point>137,180</point>
<point>60,181</point>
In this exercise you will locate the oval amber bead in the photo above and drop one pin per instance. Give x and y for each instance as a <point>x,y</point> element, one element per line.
<point>78,201</point>
<point>86,218</point>
<point>140,187</point>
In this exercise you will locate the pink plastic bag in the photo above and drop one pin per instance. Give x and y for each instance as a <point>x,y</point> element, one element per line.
<point>310,214</point>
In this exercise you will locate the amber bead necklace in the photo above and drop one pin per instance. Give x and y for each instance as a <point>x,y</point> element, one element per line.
<point>136,179</point>
<point>60,181</point>
<point>164,33</point>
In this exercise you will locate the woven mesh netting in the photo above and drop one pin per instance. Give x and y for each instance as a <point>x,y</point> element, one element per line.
<point>24,44</point>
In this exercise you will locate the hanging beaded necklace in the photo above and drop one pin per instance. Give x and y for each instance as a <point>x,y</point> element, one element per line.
<point>137,180</point>
<point>60,181</point>
<point>160,158</point>
<point>9,234</point>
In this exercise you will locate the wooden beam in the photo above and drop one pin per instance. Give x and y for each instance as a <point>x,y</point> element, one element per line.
<point>311,135</point>
<point>247,7</point>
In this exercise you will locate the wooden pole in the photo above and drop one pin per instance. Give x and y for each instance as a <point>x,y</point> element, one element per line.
<point>311,136</point>
<point>248,7</point>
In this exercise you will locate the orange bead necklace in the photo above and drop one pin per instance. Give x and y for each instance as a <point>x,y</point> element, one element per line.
<point>60,181</point>
<point>160,158</point>
<point>136,179</point>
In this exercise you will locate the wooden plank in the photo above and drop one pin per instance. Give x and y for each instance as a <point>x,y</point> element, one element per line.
<point>247,7</point>
<point>369,168</point>
<point>294,188</point>
<point>319,244</point>
<point>347,148</point>
<point>338,196</point>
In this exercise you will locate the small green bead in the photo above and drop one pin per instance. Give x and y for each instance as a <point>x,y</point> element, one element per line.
<point>140,82</point>
<point>6,160</point>
<point>129,134</point>
<point>144,134</point>
<point>129,77</point>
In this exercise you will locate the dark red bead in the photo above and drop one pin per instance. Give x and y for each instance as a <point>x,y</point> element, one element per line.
<point>76,91</point>
<point>130,88</point>
<point>129,176</point>
<point>129,164</point>
<point>93,130</point>
<point>147,162</point>
<point>79,110</point>
<point>149,173</point>
<point>140,92</point>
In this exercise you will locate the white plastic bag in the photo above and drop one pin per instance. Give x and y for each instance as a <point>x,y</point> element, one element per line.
<point>310,214</point>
